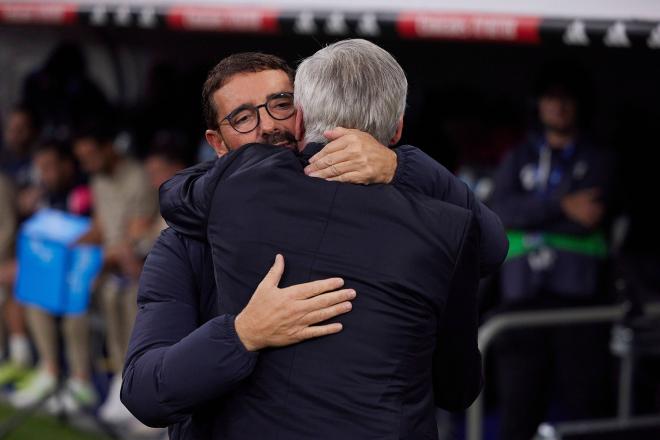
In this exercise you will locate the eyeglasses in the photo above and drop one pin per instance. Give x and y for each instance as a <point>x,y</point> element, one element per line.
<point>246,118</point>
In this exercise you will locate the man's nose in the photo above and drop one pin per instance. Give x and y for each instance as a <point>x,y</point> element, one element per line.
<point>267,122</point>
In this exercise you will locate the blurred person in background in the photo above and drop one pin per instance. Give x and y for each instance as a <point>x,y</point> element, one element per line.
<point>18,359</point>
<point>19,137</point>
<point>7,225</point>
<point>124,206</point>
<point>552,194</point>
<point>169,154</point>
<point>60,187</point>
<point>19,134</point>
<point>61,94</point>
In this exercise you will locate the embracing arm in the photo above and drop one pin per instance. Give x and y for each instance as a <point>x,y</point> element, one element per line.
<point>185,198</point>
<point>418,172</point>
<point>168,343</point>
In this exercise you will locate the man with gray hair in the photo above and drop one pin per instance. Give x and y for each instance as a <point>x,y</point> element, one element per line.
<point>410,340</point>
<point>352,83</point>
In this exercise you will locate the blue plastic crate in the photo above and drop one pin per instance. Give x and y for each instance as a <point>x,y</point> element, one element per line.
<point>52,273</point>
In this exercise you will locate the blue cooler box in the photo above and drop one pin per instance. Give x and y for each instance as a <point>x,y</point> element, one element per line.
<point>52,274</point>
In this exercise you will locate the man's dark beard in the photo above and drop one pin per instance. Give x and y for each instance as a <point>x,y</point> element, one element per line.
<point>280,136</point>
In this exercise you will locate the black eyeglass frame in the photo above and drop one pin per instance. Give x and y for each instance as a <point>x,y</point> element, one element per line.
<point>258,113</point>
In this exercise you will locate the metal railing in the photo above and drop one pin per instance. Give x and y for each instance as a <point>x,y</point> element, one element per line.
<point>545,318</point>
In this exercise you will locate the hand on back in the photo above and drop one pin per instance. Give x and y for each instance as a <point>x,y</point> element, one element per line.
<point>277,317</point>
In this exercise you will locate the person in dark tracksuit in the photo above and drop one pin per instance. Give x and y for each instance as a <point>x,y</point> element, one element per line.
<point>551,193</point>
<point>183,327</point>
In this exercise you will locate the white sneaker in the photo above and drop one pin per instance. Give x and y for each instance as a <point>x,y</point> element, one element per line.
<point>112,410</point>
<point>53,405</point>
<point>42,384</point>
<point>78,395</point>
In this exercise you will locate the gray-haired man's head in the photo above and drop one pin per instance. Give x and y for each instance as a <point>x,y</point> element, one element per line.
<point>352,84</point>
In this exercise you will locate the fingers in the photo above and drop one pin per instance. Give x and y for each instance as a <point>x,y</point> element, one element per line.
<point>274,275</point>
<point>327,313</point>
<point>317,331</point>
<point>329,299</point>
<point>335,133</point>
<point>327,161</point>
<point>332,147</point>
<point>352,177</point>
<point>344,164</point>
<point>344,172</point>
<point>314,288</point>
<point>322,169</point>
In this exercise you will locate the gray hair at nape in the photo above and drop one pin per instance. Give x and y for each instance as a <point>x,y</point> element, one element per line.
<point>353,84</point>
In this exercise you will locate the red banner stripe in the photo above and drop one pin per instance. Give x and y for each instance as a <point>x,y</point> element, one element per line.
<point>38,13</point>
<point>234,19</point>
<point>484,27</point>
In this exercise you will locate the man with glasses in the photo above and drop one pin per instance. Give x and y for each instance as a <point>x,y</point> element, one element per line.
<point>246,118</point>
<point>247,98</point>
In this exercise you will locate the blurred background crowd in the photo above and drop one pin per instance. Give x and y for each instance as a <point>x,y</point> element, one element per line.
<point>556,140</point>
<point>62,149</point>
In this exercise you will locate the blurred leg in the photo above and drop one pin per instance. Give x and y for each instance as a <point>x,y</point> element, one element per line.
<point>19,345</point>
<point>44,332</point>
<point>3,334</point>
<point>79,391</point>
<point>77,345</point>
<point>117,304</point>
<point>109,292</point>
<point>113,410</point>
<point>129,308</point>
<point>18,360</point>
<point>36,387</point>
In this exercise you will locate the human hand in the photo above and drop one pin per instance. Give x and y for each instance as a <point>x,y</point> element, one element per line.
<point>277,317</point>
<point>129,263</point>
<point>583,207</point>
<point>353,156</point>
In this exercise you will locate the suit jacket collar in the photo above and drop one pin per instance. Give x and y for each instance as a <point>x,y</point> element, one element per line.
<point>310,150</point>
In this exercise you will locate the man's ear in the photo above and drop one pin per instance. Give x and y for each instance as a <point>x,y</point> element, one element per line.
<point>399,131</point>
<point>300,125</point>
<point>215,140</point>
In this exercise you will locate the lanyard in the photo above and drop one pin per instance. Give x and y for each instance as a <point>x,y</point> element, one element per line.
<point>548,176</point>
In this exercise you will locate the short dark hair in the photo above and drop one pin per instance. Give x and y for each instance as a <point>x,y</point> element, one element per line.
<point>171,146</point>
<point>99,130</point>
<point>61,149</point>
<point>238,63</point>
<point>569,77</point>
